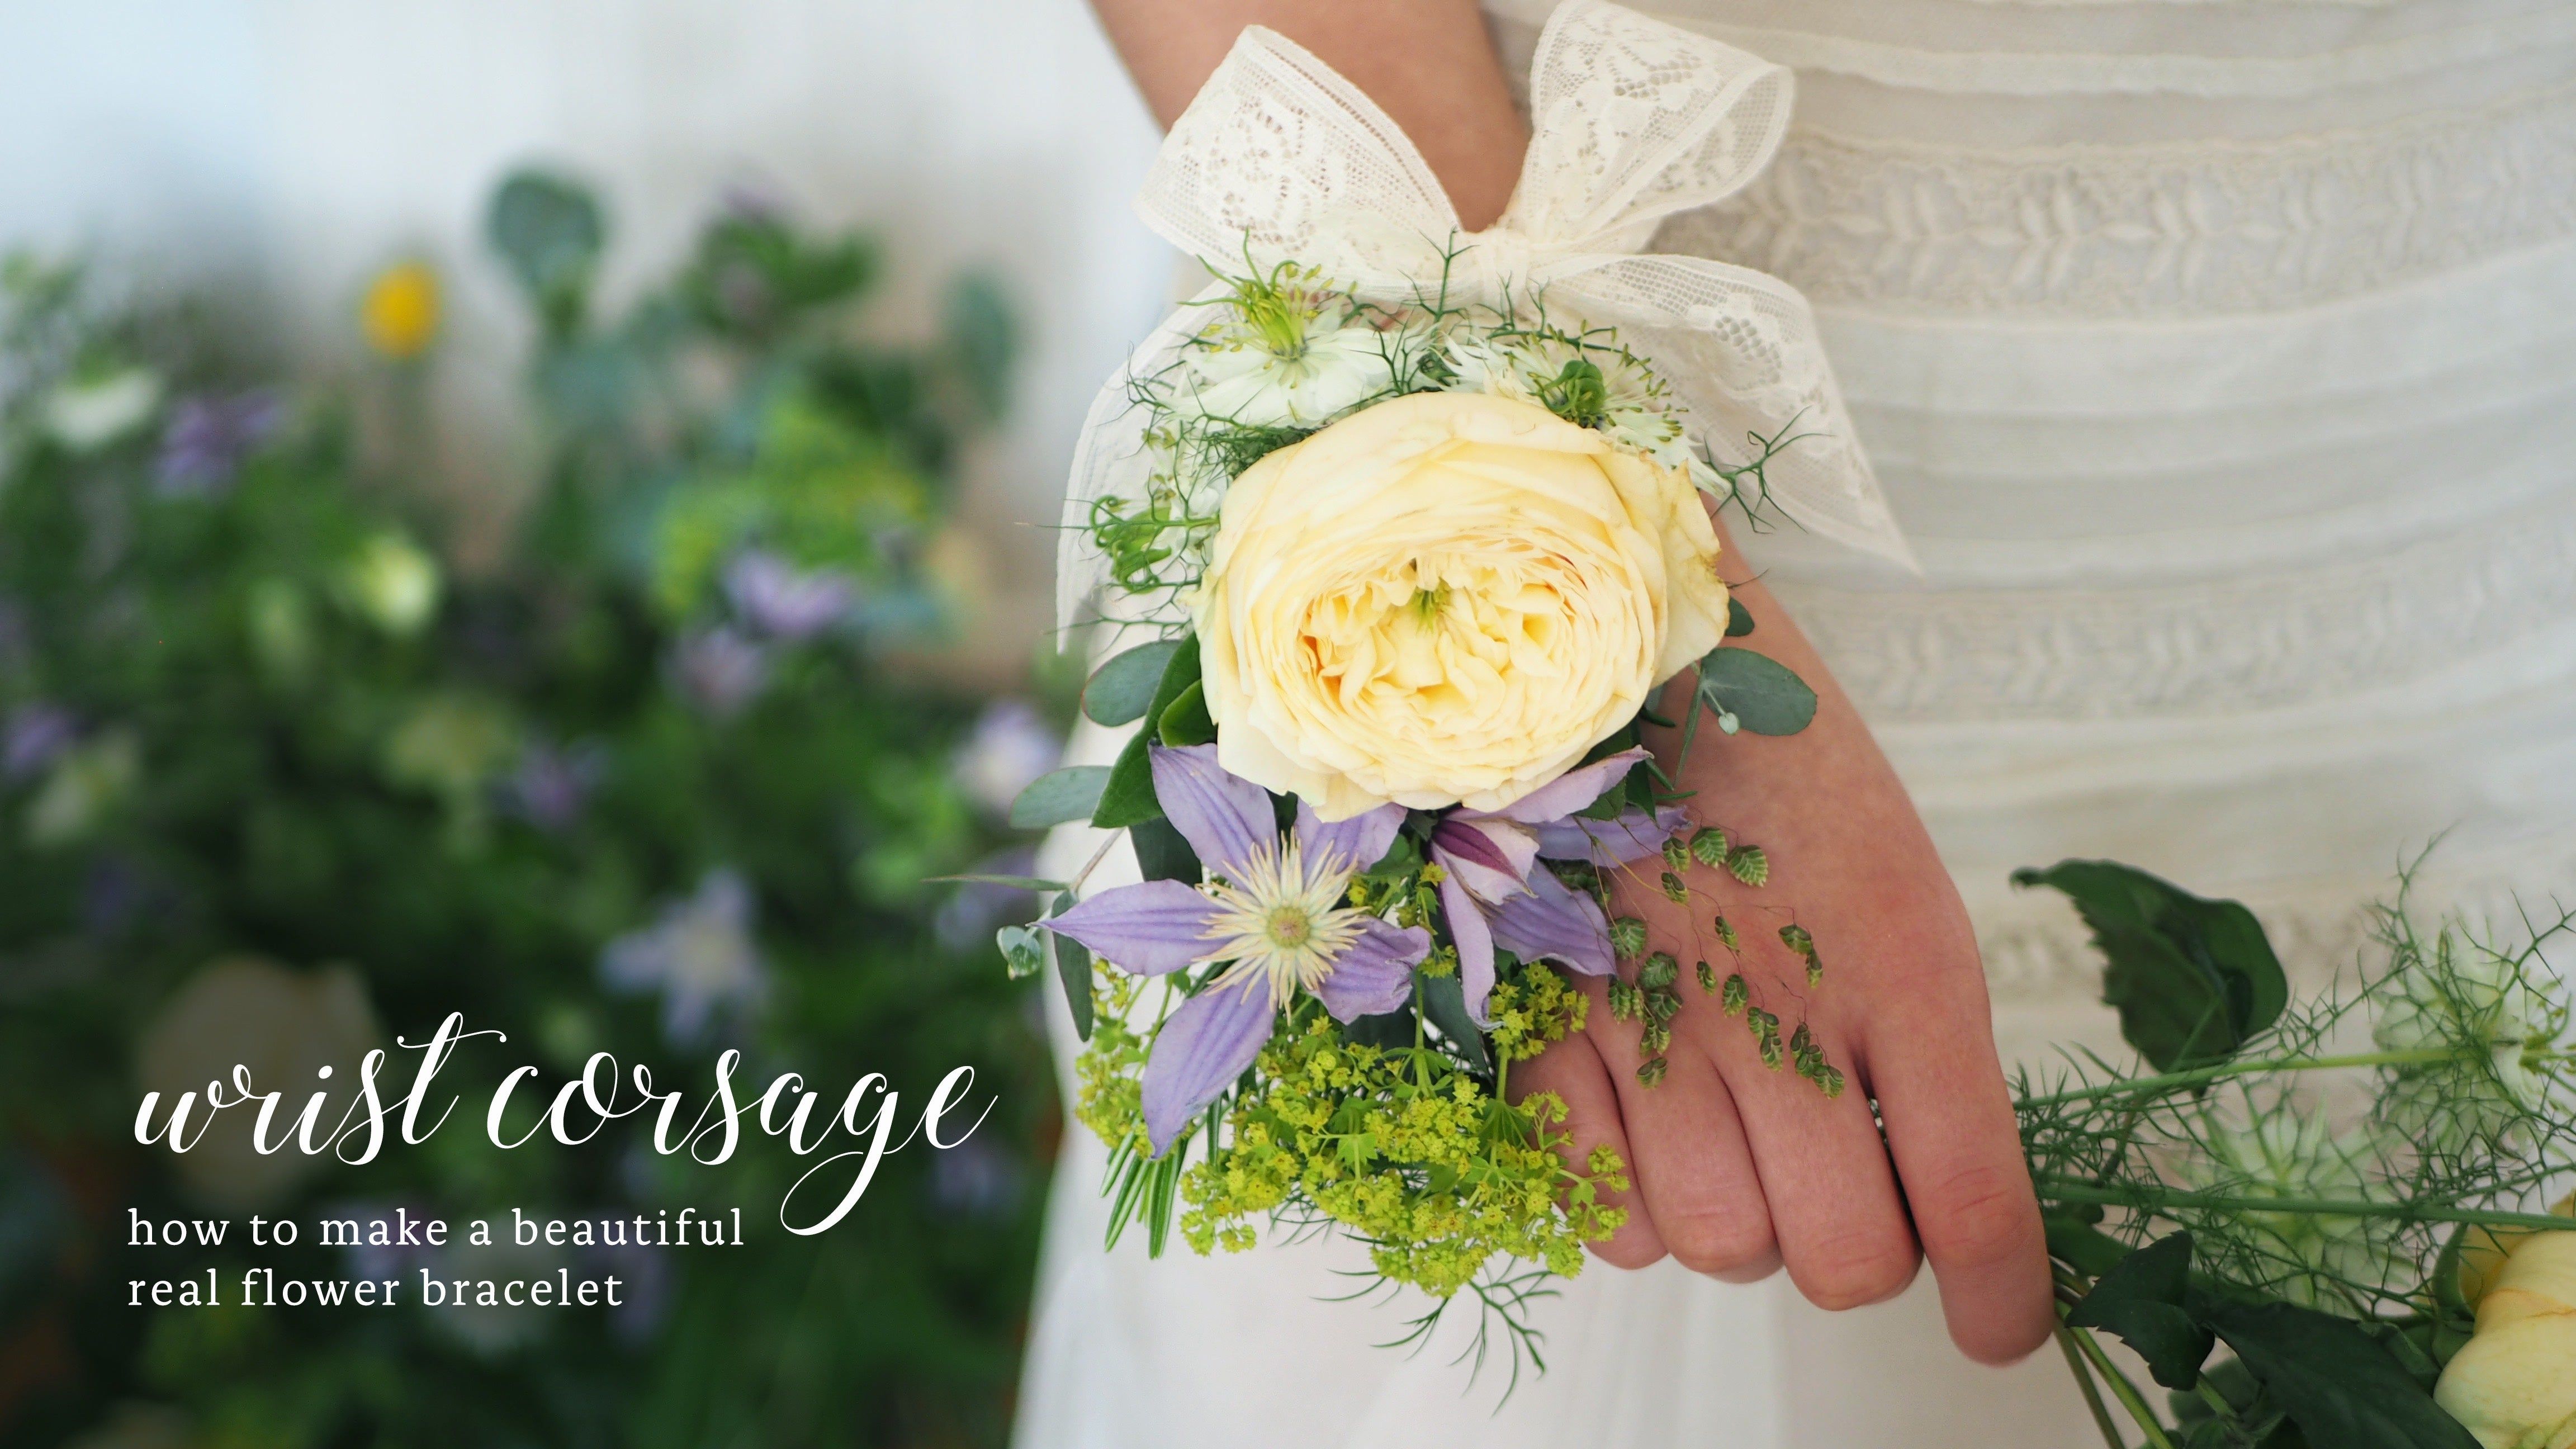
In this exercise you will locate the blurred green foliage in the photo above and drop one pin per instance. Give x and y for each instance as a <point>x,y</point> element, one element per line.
<point>647,784</point>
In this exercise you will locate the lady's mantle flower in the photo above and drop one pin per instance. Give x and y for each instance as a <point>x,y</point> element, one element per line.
<point>1494,892</point>
<point>1274,910</point>
<point>699,954</point>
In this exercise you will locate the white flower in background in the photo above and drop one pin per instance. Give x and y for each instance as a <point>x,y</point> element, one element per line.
<point>392,583</point>
<point>86,782</point>
<point>1287,354</point>
<point>2481,1008</point>
<point>87,415</point>
<point>699,955</point>
<point>2295,1154</point>
<point>1009,747</point>
<point>283,1025</point>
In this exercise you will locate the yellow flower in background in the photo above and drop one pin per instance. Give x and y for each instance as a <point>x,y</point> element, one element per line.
<point>399,315</point>
<point>2514,1384</point>
<point>1444,599</point>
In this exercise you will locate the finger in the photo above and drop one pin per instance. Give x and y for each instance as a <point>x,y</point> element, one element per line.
<point>1958,1149</point>
<point>1835,1209</point>
<point>1573,1071</point>
<point>1694,1169</point>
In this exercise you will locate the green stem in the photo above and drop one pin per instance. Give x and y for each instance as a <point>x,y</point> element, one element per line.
<point>2203,1076</point>
<point>2123,1390</point>
<point>2069,1190</point>
<point>2102,1419</point>
<point>2210,1395</point>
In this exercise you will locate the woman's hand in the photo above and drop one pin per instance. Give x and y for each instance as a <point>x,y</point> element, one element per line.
<point>1738,1169</point>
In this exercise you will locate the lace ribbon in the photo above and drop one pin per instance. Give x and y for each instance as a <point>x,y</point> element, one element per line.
<point>1633,120</point>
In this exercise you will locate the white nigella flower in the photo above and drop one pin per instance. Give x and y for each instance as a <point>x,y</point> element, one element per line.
<point>2480,1007</point>
<point>2295,1154</point>
<point>1287,353</point>
<point>1600,387</point>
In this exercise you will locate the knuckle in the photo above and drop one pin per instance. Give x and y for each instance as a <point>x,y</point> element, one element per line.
<point>1856,1274</point>
<point>1978,1215</point>
<point>1714,1241</point>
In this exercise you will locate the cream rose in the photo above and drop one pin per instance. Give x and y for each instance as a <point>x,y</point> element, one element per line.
<point>1446,599</point>
<point>2513,1385</point>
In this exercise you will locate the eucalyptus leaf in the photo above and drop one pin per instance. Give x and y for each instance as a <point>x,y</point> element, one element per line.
<point>1763,695</point>
<point>2192,978</point>
<point>1444,1000</point>
<point>2141,1300</point>
<point>2333,1380</point>
<point>1058,796</point>
<point>1072,970</point>
<point>1121,689</point>
<point>1022,950</point>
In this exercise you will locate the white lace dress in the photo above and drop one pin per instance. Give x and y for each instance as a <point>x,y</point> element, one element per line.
<point>2219,359</point>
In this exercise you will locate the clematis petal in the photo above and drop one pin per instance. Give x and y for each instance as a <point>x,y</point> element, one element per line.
<point>1632,836</point>
<point>1552,922</point>
<point>1201,1049</point>
<point>1224,817</point>
<point>1362,840</point>
<point>1490,855</point>
<point>1148,929</point>
<point>1375,974</point>
<point>1475,941</point>
<point>1572,790</point>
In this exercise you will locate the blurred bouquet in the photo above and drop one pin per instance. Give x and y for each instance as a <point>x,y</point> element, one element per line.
<point>276,775</point>
<point>2346,1193</point>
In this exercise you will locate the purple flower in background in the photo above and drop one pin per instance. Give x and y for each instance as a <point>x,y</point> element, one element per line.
<point>786,602</point>
<point>699,955</point>
<point>1279,917</point>
<point>721,670</point>
<point>1494,891</point>
<point>551,785</point>
<point>1009,747</point>
<point>208,437</point>
<point>976,1179</point>
<point>399,1223</point>
<point>36,734</point>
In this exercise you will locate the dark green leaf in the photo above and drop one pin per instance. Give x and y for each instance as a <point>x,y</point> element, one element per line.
<point>1121,689</point>
<point>2141,1301</point>
<point>1765,696</point>
<point>2074,1240</point>
<point>2191,978</point>
<point>1739,619</point>
<point>1058,796</point>
<point>1072,971</point>
<point>1186,722</point>
<point>2338,1385</point>
<point>1162,853</point>
<point>1388,1031</point>
<point>1444,1001</point>
<point>1129,795</point>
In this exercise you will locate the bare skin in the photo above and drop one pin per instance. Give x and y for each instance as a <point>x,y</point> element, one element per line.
<point>1738,1170</point>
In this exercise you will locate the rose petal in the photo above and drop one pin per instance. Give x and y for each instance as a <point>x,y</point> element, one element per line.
<point>1362,840</point>
<point>1632,836</point>
<point>1376,973</point>
<point>1572,790</point>
<point>1491,856</point>
<point>1145,929</point>
<point>1475,942</point>
<point>1550,922</point>
<point>1223,817</point>
<point>1201,1049</point>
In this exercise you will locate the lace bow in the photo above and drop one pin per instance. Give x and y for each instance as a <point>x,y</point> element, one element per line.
<point>1632,120</point>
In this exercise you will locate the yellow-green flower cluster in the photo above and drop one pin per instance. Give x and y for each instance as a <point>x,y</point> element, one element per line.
<point>1407,1152</point>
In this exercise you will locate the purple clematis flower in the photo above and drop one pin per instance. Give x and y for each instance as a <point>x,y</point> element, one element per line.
<point>1277,911</point>
<point>1495,893</point>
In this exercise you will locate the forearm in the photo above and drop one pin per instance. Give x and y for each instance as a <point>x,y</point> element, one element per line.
<point>1428,63</point>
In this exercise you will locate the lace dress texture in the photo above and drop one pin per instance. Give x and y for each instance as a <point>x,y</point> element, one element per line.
<point>2218,360</point>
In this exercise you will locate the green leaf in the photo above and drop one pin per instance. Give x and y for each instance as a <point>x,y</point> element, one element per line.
<point>1186,722</point>
<point>2075,1241</point>
<point>1162,853</point>
<point>1121,689</point>
<point>1072,970</point>
<point>549,231</point>
<point>1129,795</point>
<point>1764,695</point>
<point>2142,1301</point>
<point>2334,1381</point>
<point>1058,796</point>
<point>2192,978</point>
<point>1739,619</point>
<point>1444,1000</point>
